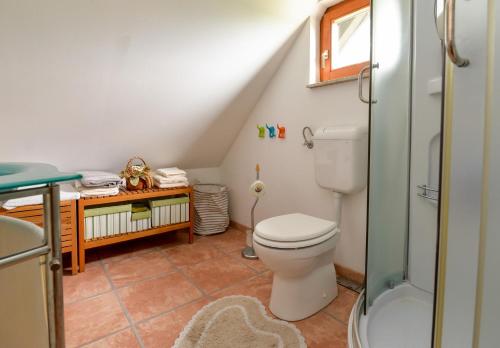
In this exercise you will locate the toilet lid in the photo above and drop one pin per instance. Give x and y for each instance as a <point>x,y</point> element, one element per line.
<point>293,228</point>
<point>294,245</point>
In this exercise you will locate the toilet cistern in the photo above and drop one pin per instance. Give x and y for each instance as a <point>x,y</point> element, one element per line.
<point>341,160</point>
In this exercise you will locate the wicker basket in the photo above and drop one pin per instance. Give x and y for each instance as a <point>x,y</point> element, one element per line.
<point>137,174</point>
<point>211,204</point>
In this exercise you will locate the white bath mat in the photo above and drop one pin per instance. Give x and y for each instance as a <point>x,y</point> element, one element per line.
<point>238,321</point>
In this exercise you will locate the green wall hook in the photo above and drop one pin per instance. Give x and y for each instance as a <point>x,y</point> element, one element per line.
<point>262,131</point>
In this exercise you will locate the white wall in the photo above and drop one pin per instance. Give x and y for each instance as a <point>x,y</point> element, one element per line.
<point>204,175</point>
<point>286,165</point>
<point>425,147</point>
<point>88,84</point>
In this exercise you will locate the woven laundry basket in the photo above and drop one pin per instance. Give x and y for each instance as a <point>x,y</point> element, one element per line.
<point>211,207</point>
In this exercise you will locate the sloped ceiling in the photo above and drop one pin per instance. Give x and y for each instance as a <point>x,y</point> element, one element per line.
<point>88,84</point>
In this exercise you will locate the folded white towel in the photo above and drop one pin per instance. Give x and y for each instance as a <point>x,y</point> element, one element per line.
<point>66,193</point>
<point>174,185</point>
<point>92,178</point>
<point>96,191</point>
<point>171,179</point>
<point>167,172</point>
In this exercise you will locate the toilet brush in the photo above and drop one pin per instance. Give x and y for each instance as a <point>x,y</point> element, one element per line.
<point>257,189</point>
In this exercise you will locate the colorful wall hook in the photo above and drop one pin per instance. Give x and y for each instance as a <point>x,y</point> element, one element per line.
<point>281,131</point>
<point>262,131</point>
<point>272,131</point>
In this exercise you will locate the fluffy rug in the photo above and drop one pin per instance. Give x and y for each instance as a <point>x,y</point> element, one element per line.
<point>238,322</point>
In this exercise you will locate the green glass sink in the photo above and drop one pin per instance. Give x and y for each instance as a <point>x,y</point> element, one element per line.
<point>17,174</point>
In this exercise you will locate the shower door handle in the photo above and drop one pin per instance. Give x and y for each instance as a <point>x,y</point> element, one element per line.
<point>449,37</point>
<point>360,83</point>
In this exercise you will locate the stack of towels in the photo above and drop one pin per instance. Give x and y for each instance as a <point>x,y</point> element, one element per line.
<point>94,183</point>
<point>66,193</point>
<point>170,178</point>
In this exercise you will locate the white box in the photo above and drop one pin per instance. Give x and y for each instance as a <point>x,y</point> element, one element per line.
<point>168,215</point>
<point>129,222</point>
<point>96,226</point>
<point>109,224</point>
<point>183,212</point>
<point>103,224</point>
<point>155,216</point>
<point>177,213</point>
<point>116,223</point>
<point>89,229</point>
<point>123,222</point>
<point>163,216</point>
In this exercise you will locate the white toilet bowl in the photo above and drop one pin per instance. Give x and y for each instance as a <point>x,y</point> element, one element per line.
<point>299,250</point>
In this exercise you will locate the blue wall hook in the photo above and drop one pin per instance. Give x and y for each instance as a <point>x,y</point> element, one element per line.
<point>272,131</point>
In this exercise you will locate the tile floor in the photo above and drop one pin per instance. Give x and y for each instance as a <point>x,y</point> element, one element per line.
<point>142,293</point>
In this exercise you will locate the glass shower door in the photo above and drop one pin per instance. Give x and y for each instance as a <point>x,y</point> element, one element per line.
<point>390,97</point>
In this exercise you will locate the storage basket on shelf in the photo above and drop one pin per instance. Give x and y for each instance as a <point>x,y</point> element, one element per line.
<point>169,211</point>
<point>211,204</point>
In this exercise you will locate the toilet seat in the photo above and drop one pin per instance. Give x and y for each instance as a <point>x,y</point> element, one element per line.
<point>294,231</point>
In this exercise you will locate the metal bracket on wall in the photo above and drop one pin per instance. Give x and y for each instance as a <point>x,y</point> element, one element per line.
<point>428,193</point>
<point>307,140</point>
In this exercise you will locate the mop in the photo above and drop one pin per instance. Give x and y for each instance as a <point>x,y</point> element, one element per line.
<point>257,189</point>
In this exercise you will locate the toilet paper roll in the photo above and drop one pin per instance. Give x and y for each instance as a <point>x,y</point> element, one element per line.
<point>257,188</point>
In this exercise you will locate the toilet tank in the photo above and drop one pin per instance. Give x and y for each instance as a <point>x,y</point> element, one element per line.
<point>341,158</point>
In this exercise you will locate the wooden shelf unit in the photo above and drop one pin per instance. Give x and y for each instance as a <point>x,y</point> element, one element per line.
<point>34,214</point>
<point>130,196</point>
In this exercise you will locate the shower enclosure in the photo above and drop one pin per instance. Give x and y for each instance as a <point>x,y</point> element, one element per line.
<point>396,308</point>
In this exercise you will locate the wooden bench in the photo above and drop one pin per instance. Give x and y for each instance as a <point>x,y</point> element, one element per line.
<point>128,197</point>
<point>34,214</point>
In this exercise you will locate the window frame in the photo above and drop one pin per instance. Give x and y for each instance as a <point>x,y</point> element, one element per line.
<point>331,14</point>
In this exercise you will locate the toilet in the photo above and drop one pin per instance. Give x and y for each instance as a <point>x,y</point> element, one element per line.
<point>299,248</point>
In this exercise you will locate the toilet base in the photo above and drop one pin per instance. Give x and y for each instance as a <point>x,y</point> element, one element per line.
<point>296,298</point>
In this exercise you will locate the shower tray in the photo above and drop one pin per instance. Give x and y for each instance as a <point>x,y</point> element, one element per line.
<point>400,317</point>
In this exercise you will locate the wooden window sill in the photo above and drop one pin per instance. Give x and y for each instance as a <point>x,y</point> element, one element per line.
<point>334,81</point>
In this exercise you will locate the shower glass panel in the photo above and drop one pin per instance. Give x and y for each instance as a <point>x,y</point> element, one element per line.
<point>390,95</point>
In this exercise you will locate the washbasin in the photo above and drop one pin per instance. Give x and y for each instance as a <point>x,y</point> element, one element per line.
<point>18,174</point>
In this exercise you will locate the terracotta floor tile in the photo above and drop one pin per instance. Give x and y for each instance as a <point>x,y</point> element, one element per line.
<point>163,304</point>
<point>259,287</point>
<point>341,307</point>
<point>154,296</point>
<point>178,238</point>
<point>91,319</point>
<point>119,252</point>
<point>121,339</point>
<point>83,285</point>
<point>216,274</point>
<point>231,240</point>
<point>162,331</point>
<point>322,331</point>
<point>256,265</point>
<point>138,267</point>
<point>188,254</point>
